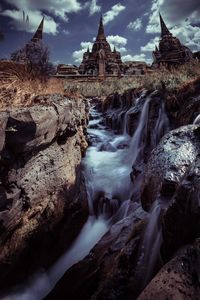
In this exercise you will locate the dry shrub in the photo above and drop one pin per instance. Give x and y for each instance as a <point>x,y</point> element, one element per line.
<point>17,93</point>
<point>20,89</point>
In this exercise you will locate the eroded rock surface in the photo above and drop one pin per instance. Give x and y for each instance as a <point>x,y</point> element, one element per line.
<point>179,279</point>
<point>168,164</point>
<point>106,273</point>
<point>41,182</point>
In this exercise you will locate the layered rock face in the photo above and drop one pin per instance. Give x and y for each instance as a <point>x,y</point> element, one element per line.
<point>168,164</point>
<point>172,176</point>
<point>42,192</point>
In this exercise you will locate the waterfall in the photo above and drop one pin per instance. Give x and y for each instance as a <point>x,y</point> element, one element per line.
<point>107,167</point>
<point>136,142</point>
<point>152,240</point>
<point>161,127</point>
<point>197,120</point>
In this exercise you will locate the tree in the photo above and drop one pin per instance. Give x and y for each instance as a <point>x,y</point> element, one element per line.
<point>36,57</point>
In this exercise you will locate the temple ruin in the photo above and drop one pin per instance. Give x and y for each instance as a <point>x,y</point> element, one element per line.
<point>170,52</point>
<point>101,61</point>
<point>32,48</point>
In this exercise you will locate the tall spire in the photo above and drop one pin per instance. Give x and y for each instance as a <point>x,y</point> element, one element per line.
<point>101,34</point>
<point>164,29</point>
<point>39,32</point>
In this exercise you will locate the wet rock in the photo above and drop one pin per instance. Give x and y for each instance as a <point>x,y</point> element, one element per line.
<point>108,147</point>
<point>168,164</point>
<point>105,273</point>
<point>181,224</point>
<point>178,279</point>
<point>189,112</point>
<point>3,124</point>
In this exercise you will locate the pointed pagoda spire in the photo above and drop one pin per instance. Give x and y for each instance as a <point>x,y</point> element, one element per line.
<point>164,29</point>
<point>39,32</point>
<point>101,34</point>
<point>156,49</point>
<point>88,50</point>
<point>114,50</point>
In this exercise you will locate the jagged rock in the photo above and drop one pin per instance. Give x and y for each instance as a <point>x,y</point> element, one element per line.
<point>189,111</point>
<point>41,182</point>
<point>108,147</point>
<point>38,125</point>
<point>181,224</point>
<point>178,279</point>
<point>168,163</point>
<point>105,273</point>
<point>3,124</point>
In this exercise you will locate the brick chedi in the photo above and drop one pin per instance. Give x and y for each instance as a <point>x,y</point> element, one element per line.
<point>101,61</point>
<point>171,51</point>
<point>31,50</point>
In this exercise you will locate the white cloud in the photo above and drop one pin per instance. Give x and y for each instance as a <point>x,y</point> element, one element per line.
<point>85,45</point>
<point>58,7</point>
<point>35,17</point>
<point>150,46</point>
<point>78,54</point>
<point>65,31</point>
<point>94,7</point>
<point>117,40</point>
<point>113,13</point>
<point>181,19</point>
<point>137,57</point>
<point>135,25</point>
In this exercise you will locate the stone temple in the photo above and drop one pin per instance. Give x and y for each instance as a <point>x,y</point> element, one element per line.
<point>101,61</point>
<point>170,52</point>
<point>31,48</point>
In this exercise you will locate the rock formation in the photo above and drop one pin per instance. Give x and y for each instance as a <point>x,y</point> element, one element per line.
<point>170,52</point>
<point>42,191</point>
<point>101,61</point>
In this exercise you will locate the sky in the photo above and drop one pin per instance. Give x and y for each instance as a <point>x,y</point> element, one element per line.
<point>132,26</point>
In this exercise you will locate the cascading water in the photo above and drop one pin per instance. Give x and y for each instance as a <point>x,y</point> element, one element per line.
<point>107,167</point>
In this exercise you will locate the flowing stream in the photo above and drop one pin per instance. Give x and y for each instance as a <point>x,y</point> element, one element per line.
<point>107,167</point>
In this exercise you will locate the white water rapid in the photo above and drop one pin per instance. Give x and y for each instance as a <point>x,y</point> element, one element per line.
<point>107,167</point>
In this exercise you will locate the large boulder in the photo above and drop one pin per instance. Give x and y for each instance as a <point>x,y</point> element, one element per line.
<point>168,164</point>
<point>178,279</point>
<point>181,224</point>
<point>37,126</point>
<point>42,190</point>
<point>106,272</point>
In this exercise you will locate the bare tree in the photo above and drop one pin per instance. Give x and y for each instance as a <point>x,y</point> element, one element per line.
<point>36,57</point>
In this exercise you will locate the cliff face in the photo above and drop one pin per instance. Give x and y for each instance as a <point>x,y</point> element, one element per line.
<point>42,192</point>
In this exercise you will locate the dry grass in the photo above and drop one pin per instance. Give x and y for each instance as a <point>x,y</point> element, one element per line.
<point>17,93</point>
<point>157,79</point>
<point>18,89</point>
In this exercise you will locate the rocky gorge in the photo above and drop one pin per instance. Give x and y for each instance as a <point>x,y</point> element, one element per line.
<point>125,212</point>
